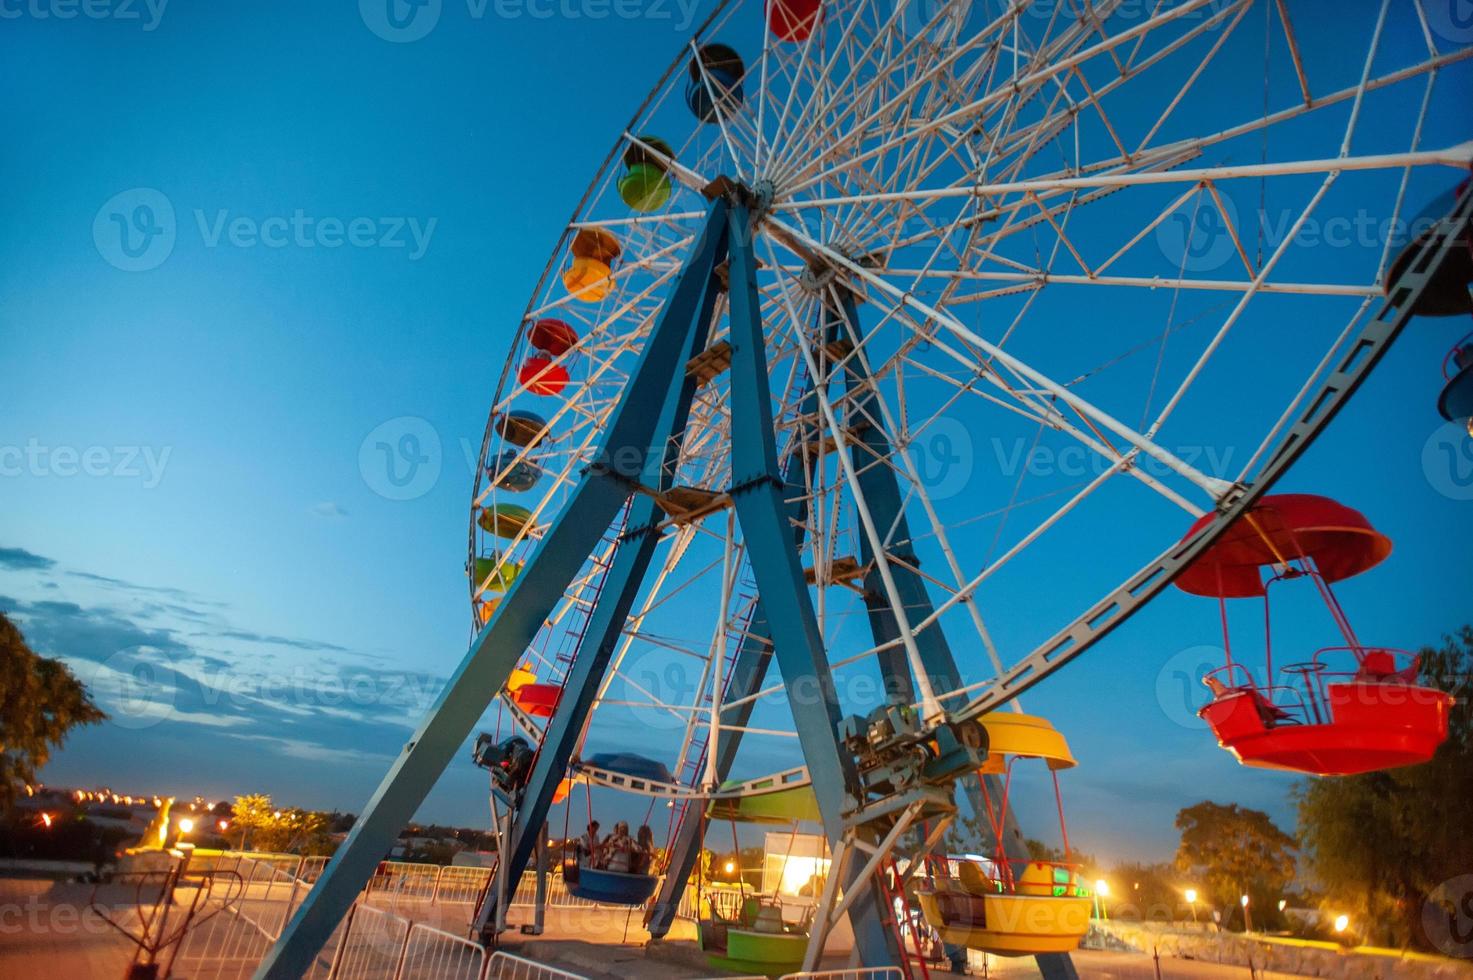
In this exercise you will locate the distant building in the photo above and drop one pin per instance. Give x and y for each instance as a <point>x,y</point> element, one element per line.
<point>474,859</point>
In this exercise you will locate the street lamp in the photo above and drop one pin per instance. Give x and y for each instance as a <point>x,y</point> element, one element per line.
<point>1102,890</point>
<point>1247,916</point>
<point>185,826</point>
<point>1342,922</point>
<point>1283,903</point>
<point>1191,894</point>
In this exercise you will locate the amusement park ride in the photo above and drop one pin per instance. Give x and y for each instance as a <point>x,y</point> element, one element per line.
<point>703,448</point>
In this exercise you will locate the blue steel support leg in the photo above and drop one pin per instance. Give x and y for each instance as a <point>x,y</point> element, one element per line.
<point>757,491</point>
<point>604,488</point>
<point>620,587</point>
<point>748,673</point>
<point>881,492</point>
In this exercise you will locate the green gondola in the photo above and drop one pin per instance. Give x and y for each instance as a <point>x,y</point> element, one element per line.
<point>757,940</point>
<point>504,520</point>
<point>757,943</point>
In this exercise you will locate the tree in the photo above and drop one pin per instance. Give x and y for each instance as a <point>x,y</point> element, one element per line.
<point>249,814</point>
<point>1235,851</point>
<point>1379,843</point>
<point>40,702</point>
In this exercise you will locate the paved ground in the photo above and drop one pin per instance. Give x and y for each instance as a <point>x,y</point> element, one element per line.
<point>47,930</point>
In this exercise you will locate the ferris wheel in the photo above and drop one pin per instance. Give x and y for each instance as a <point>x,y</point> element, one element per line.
<point>895,346</point>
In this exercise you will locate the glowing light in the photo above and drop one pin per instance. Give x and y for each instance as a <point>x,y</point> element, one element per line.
<point>224,825</point>
<point>1342,922</point>
<point>186,825</point>
<point>1244,900</point>
<point>799,871</point>
<point>46,819</point>
<point>729,867</point>
<point>1102,888</point>
<point>1192,895</point>
<point>1283,903</point>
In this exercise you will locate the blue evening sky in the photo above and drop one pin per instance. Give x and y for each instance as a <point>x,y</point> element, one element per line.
<point>183,482</point>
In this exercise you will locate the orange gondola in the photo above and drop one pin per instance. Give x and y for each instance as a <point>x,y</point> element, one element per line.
<point>590,277</point>
<point>1350,708</point>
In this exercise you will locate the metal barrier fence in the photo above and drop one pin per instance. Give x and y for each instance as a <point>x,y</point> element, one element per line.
<point>863,973</point>
<point>433,954</point>
<point>406,880</point>
<point>372,946</point>
<point>458,884</point>
<point>372,941</point>
<point>504,966</point>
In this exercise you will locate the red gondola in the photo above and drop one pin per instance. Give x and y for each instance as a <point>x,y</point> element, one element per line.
<point>1365,712</point>
<point>793,20</point>
<point>537,700</point>
<point>541,376</point>
<point>552,336</point>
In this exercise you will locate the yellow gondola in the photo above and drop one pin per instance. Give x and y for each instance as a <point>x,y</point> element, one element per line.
<point>590,277</point>
<point>1037,907</point>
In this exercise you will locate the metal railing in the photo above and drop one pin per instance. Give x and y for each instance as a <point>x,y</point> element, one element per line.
<point>372,941</point>
<point>504,966</point>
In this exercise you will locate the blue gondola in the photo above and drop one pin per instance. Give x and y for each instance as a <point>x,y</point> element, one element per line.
<point>517,476</point>
<point>1456,401</point>
<point>1447,293</point>
<point>521,428</point>
<point>716,90</point>
<point>631,765</point>
<point>610,887</point>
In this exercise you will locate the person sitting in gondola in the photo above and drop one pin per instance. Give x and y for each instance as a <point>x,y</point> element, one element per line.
<point>588,845</point>
<point>1379,667</point>
<point>618,850</point>
<point>1268,712</point>
<point>644,850</point>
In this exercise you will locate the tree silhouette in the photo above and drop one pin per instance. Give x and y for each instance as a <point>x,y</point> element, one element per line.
<point>1235,851</point>
<point>40,702</point>
<point>1380,843</point>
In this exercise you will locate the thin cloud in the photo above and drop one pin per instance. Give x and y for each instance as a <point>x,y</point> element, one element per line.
<point>21,560</point>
